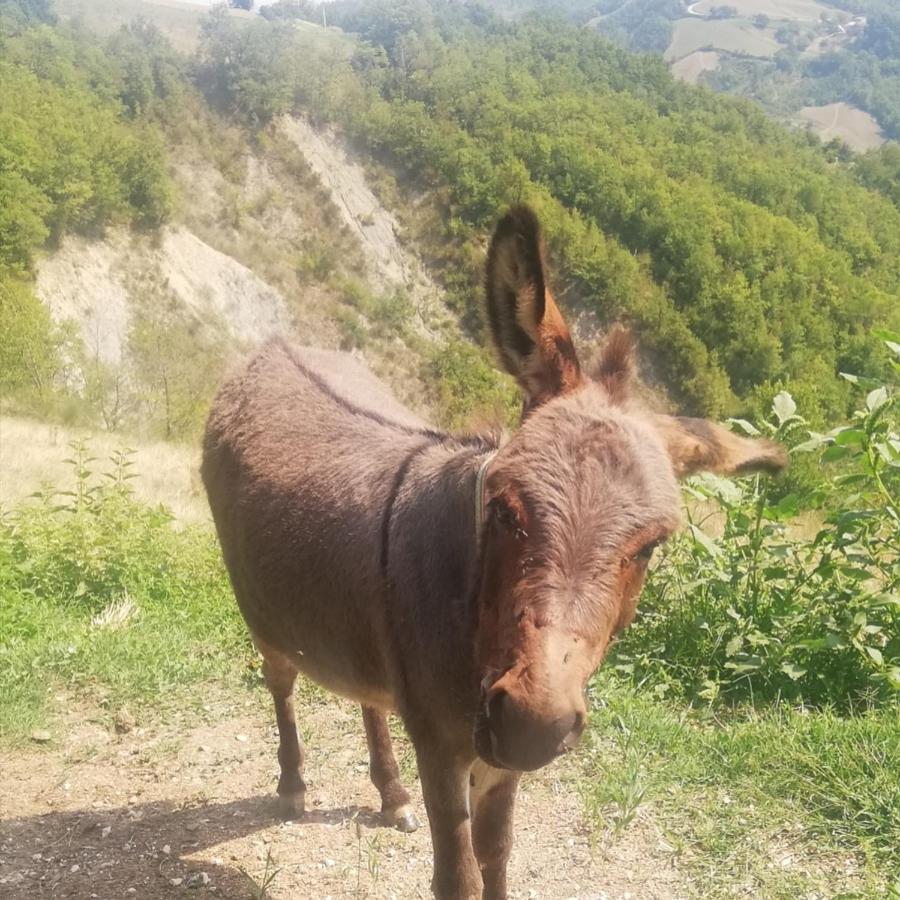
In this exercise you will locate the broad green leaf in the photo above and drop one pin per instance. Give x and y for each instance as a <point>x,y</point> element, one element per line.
<point>705,541</point>
<point>745,426</point>
<point>815,441</point>
<point>734,645</point>
<point>834,453</point>
<point>793,672</point>
<point>784,407</point>
<point>892,677</point>
<point>876,399</point>
<point>875,653</point>
<point>885,334</point>
<point>850,437</point>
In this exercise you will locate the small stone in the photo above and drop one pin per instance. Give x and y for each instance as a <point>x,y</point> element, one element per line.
<point>131,891</point>
<point>175,881</point>
<point>41,736</point>
<point>37,857</point>
<point>328,863</point>
<point>166,849</point>
<point>75,868</point>
<point>241,738</point>
<point>198,879</point>
<point>104,832</point>
<point>218,861</point>
<point>123,722</point>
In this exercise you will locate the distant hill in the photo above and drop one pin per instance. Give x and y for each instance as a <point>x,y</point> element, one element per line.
<point>832,65</point>
<point>340,184</point>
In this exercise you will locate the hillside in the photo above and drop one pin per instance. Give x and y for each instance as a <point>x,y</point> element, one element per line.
<point>661,205</point>
<point>831,66</point>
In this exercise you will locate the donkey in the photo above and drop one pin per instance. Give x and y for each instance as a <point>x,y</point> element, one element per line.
<point>470,584</point>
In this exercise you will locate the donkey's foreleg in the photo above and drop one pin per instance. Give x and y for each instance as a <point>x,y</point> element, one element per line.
<point>280,677</point>
<point>492,797</point>
<point>445,788</point>
<point>396,807</point>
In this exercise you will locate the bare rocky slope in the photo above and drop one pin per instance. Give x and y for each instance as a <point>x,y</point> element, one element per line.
<point>233,261</point>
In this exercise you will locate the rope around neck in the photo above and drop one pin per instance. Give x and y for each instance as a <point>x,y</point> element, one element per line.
<point>479,493</point>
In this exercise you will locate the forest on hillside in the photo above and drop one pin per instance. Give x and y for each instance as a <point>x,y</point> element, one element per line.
<point>748,259</point>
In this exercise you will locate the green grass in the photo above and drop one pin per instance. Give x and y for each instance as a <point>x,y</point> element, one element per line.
<point>777,802</point>
<point>104,596</point>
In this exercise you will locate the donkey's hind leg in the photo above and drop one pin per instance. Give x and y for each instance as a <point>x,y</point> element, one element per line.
<point>280,677</point>
<point>396,807</point>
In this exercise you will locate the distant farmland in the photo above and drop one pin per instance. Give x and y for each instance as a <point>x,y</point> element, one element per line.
<point>841,120</point>
<point>737,36</point>
<point>794,10</point>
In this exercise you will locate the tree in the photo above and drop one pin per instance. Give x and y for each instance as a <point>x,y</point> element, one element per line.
<point>241,4</point>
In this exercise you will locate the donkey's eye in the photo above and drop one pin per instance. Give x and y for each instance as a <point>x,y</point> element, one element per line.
<point>646,551</point>
<point>503,514</point>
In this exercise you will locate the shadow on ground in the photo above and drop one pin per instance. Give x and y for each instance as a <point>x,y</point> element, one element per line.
<point>142,850</point>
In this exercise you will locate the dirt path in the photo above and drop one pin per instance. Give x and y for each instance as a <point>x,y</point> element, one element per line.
<point>184,808</point>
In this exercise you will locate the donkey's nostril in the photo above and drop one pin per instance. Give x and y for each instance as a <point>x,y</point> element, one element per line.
<point>494,708</point>
<point>575,732</point>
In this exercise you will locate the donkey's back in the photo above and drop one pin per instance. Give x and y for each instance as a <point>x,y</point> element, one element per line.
<point>299,456</point>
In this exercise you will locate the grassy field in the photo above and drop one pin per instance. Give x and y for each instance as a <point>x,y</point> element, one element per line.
<point>689,68</point>
<point>178,21</point>
<point>739,36</point>
<point>782,10</point>
<point>853,126</point>
<point>33,454</point>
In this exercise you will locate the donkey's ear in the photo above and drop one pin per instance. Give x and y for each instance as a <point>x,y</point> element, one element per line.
<point>614,367</point>
<point>528,329</point>
<point>696,445</point>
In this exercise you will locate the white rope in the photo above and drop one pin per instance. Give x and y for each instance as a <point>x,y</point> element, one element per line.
<point>479,493</point>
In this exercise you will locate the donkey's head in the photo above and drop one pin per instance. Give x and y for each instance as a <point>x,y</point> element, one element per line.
<point>576,502</point>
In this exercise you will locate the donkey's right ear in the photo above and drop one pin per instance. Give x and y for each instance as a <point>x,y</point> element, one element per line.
<point>528,329</point>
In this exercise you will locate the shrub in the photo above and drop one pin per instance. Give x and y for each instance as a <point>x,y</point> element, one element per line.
<point>761,612</point>
<point>100,590</point>
<point>468,384</point>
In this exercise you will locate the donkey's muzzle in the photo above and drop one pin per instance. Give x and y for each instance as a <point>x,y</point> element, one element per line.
<point>524,740</point>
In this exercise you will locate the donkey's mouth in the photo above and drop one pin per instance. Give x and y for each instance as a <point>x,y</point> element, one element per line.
<point>484,746</point>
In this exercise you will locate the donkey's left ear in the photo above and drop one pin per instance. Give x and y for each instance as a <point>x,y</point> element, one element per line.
<point>528,329</point>
<point>696,445</point>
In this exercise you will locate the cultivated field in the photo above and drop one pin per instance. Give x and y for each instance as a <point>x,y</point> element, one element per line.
<point>853,126</point>
<point>690,68</point>
<point>730,35</point>
<point>179,21</point>
<point>793,10</point>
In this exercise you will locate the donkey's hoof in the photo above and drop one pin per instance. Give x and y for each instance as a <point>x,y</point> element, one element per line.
<point>291,806</point>
<point>403,819</point>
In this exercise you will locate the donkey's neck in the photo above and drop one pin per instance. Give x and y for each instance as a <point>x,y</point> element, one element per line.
<point>432,565</point>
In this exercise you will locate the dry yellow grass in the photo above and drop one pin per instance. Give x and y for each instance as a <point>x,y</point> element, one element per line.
<point>855,127</point>
<point>33,453</point>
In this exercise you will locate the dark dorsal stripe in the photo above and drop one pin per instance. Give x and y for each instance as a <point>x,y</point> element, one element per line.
<point>352,408</point>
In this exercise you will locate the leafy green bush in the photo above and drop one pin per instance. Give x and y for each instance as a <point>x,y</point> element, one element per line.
<point>466,383</point>
<point>761,612</point>
<point>103,591</point>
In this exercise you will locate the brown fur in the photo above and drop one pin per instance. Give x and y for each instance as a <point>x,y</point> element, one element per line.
<point>348,529</point>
